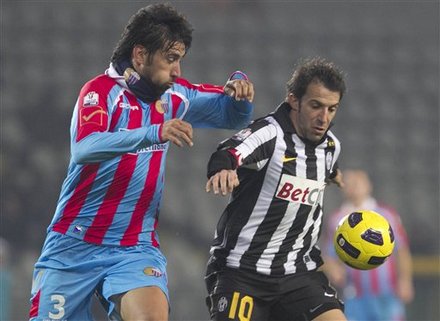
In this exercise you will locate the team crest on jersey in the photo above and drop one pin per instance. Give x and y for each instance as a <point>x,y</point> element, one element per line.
<point>91,116</point>
<point>222,304</point>
<point>151,271</point>
<point>300,190</point>
<point>161,106</point>
<point>242,134</point>
<point>328,160</point>
<point>131,76</point>
<point>91,99</point>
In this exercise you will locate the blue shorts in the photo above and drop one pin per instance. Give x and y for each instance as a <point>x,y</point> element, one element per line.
<point>375,308</point>
<point>69,271</point>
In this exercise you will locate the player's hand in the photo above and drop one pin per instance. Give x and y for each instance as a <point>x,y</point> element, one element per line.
<point>405,290</point>
<point>224,181</point>
<point>338,179</point>
<point>178,132</point>
<point>239,89</point>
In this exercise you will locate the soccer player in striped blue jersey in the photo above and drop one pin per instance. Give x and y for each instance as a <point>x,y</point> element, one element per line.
<point>265,257</point>
<point>103,235</point>
<point>379,294</point>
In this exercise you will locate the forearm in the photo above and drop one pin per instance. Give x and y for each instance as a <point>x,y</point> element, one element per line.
<point>101,146</point>
<point>240,115</point>
<point>405,268</point>
<point>221,159</point>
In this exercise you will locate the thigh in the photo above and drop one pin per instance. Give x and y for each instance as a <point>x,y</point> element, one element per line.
<point>305,297</point>
<point>331,315</point>
<point>61,295</point>
<point>138,267</point>
<point>232,297</point>
<point>146,303</point>
<point>64,280</point>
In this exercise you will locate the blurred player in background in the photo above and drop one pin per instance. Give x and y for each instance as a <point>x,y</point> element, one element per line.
<point>104,232</point>
<point>5,280</point>
<point>264,258</point>
<point>378,294</point>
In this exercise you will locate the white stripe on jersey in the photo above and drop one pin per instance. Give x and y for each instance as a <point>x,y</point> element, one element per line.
<point>320,169</point>
<point>289,266</point>
<point>265,261</point>
<point>254,140</point>
<point>184,99</point>
<point>267,191</point>
<point>337,147</point>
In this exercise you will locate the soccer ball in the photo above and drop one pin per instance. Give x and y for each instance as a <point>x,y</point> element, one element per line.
<point>364,240</point>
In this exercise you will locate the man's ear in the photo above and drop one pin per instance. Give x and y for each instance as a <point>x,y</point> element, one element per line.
<point>138,55</point>
<point>293,101</point>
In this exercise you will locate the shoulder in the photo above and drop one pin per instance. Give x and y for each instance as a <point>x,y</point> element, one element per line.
<point>388,211</point>
<point>332,138</point>
<point>101,85</point>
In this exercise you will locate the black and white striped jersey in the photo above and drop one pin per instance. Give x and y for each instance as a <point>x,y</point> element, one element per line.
<point>273,220</point>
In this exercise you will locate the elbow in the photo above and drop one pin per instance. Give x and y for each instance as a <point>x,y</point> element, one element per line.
<point>79,157</point>
<point>241,122</point>
<point>79,154</point>
<point>243,115</point>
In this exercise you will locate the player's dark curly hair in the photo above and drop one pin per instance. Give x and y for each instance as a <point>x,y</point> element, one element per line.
<point>155,27</point>
<point>315,69</point>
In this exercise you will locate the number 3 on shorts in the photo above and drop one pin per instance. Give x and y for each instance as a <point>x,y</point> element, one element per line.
<point>58,303</point>
<point>245,306</point>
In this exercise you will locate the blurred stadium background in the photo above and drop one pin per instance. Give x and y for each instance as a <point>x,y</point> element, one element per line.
<point>388,123</point>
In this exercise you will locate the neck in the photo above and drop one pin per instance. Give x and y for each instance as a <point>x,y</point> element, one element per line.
<point>142,87</point>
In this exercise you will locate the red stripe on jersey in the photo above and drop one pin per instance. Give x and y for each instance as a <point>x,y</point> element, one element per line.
<point>357,282</point>
<point>116,191</point>
<point>392,272</point>
<point>131,235</point>
<point>153,235</point>
<point>200,87</point>
<point>116,115</point>
<point>35,303</point>
<point>236,155</point>
<point>76,201</point>
<point>92,106</point>
<point>175,101</point>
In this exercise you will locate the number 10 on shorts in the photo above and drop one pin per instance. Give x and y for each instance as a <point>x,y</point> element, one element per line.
<point>244,304</point>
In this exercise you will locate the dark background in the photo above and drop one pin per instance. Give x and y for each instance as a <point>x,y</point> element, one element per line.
<point>388,122</point>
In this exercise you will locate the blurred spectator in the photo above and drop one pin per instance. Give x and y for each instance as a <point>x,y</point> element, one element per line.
<point>381,293</point>
<point>5,280</point>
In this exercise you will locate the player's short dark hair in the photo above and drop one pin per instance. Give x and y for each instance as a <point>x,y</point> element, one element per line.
<point>155,27</point>
<point>315,69</point>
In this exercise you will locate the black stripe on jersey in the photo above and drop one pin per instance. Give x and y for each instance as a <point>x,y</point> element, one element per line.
<point>311,170</point>
<point>298,224</point>
<point>312,173</point>
<point>238,138</point>
<point>268,226</point>
<point>237,214</point>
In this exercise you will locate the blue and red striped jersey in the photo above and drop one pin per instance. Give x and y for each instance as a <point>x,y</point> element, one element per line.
<point>113,189</point>
<point>383,279</point>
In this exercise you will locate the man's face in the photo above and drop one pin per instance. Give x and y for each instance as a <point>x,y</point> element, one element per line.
<point>164,67</point>
<point>313,114</point>
<point>357,186</point>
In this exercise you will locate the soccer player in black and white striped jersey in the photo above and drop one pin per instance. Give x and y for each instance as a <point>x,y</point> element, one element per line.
<point>265,260</point>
